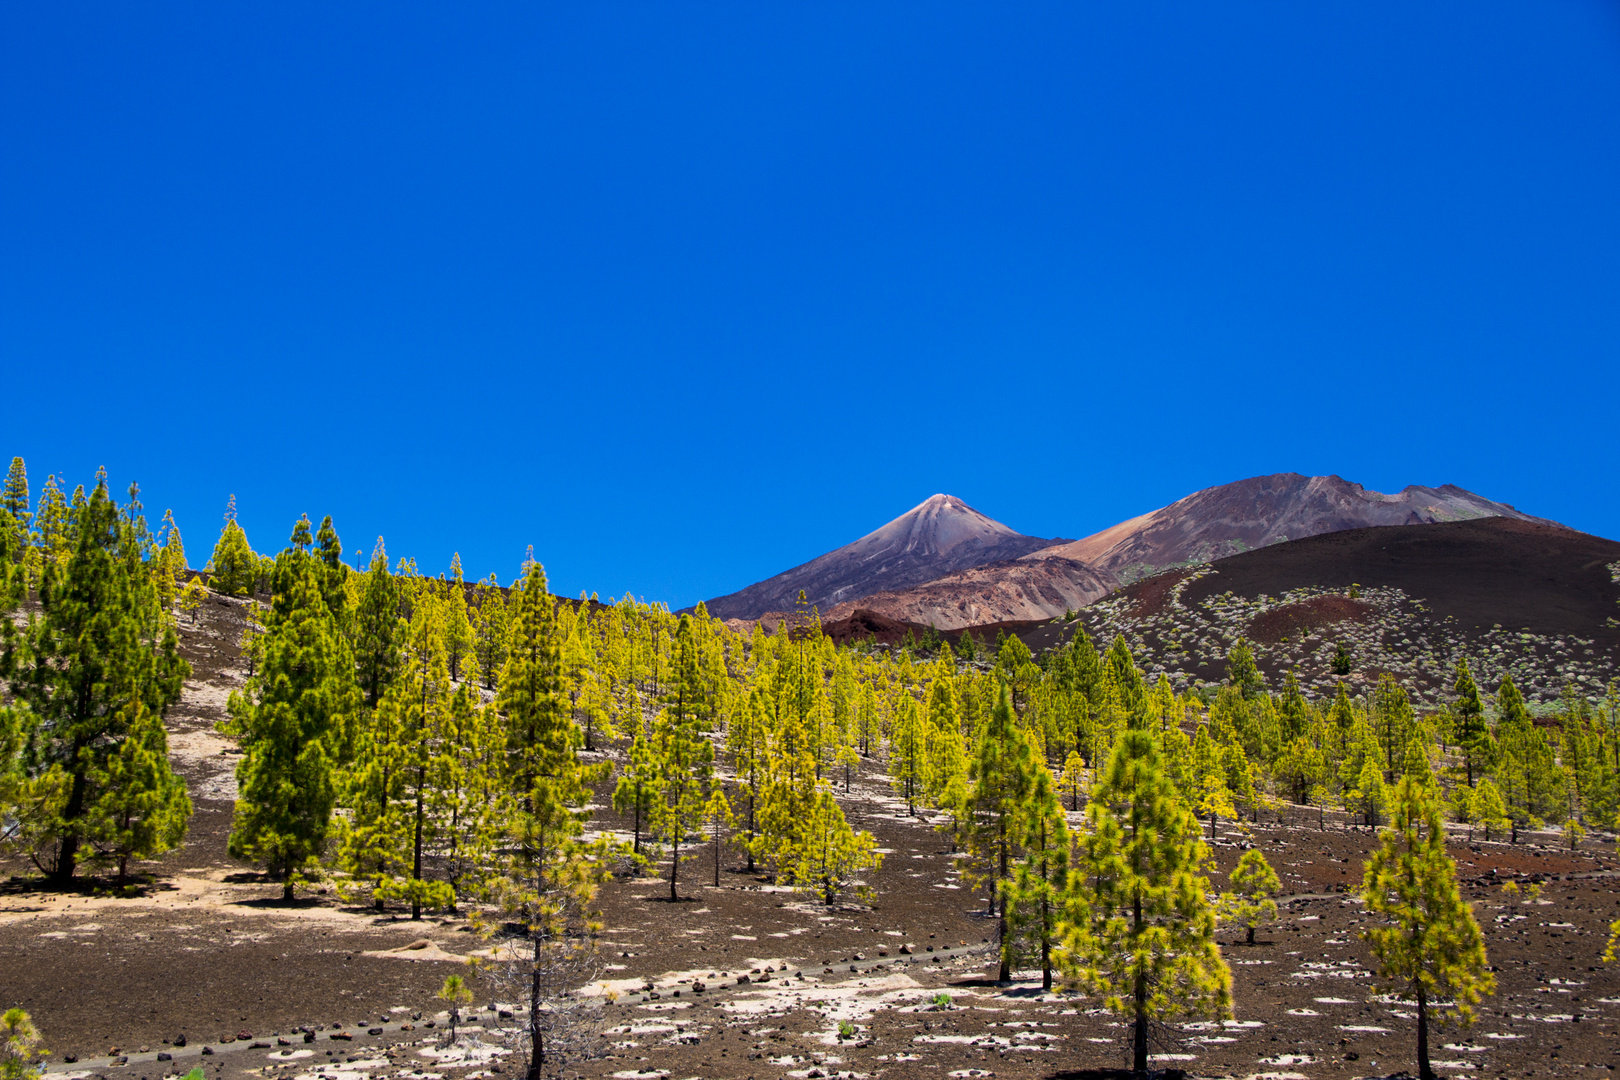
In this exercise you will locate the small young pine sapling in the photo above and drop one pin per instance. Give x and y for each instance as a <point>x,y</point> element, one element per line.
<point>1249,903</point>
<point>20,1053</point>
<point>455,993</point>
<point>1574,833</point>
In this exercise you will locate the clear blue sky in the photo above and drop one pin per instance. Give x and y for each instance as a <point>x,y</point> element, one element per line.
<point>685,294</point>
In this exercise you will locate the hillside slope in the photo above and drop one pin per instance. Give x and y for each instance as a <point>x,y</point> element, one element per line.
<point>1510,595</point>
<point>1260,511</point>
<point>1015,591</point>
<point>940,535</point>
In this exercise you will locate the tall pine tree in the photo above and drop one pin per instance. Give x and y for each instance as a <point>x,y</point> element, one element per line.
<point>1141,930</point>
<point>288,720</point>
<point>1429,946</point>
<point>98,668</point>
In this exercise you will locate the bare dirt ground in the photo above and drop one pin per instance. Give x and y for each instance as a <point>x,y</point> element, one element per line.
<point>208,952</point>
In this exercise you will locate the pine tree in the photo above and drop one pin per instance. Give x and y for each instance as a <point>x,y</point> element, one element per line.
<point>379,631</point>
<point>466,786</point>
<point>967,647</point>
<point>1241,670</point>
<point>1249,902</point>
<point>1369,793</point>
<point>144,809</point>
<point>1074,779</point>
<point>1488,808</point>
<point>168,562</point>
<point>1301,768</point>
<point>192,597</point>
<point>100,661</point>
<point>233,567</point>
<point>945,769</point>
<point>420,701</point>
<point>1343,663</point>
<point>548,874</point>
<point>1532,784</point>
<point>14,498</point>
<point>1141,931</point>
<point>21,1055</point>
<point>1040,883</point>
<point>490,621</point>
<point>828,853</point>
<point>718,818</point>
<point>908,746</point>
<point>334,573</point>
<point>1001,776</point>
<point>1469,730</point>
<point>459,638</point>
<point>685,758</point>
<point>1430,946</point>
<point>1393,722</point>
<point>287,718</point>
<point>52,542</point>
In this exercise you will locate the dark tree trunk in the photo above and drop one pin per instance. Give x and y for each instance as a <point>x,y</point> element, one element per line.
<point>674,866</point>
<point>1046,944</point>
<point>1425,1071</point>
<point>1001,924</point>
<point>1139,1037</point>
<point>416,845</point>
<point>537,1045</point>
<point>1139,1040</point>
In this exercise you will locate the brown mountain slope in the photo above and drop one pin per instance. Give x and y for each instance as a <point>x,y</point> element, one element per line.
<point>1016,591</point>
<point>1539,602</point>
<point>941,535</point>
<point>1523,575</point>
<point>1260,511</point>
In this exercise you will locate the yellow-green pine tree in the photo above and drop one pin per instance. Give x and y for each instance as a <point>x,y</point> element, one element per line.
<point>1001,776</point>
<point>1248,903</point>
<point>1141,931</point>
<point>829,853</point>
<point>1428,947</point>
<point>1040,883</point>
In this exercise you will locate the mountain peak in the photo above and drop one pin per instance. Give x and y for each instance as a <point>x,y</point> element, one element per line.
<point>940,535</point>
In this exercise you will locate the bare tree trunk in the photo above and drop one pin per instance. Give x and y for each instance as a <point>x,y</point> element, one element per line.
<point>674,864</point>
<point>1425,1071</point>
<point>537,1046</point>
<point>1139,1047</point>
<point>1001,925</point>
<point>1139,1042</point>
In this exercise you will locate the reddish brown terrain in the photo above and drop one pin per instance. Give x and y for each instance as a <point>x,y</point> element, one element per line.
<point>945,565</point>
<point>206,950</point>
<point>1538,601</point>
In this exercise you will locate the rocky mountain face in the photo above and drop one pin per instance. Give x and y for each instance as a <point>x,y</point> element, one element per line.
<point>938,537</point>
<point>1022,590</point>
<point>1513,597</point>
<point>1263,510</point>
<point>944,564</point>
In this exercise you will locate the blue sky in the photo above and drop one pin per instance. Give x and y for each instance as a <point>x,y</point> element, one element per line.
<point>683,295</point>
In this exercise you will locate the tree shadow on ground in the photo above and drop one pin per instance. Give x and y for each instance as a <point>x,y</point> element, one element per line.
<point>136,886</point>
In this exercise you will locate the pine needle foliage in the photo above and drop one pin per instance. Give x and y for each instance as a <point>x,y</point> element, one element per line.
<point>291,721</point>
<point>1429,947</point>
<point>1141,931</point>
<point>1248,903</point>
<point>98,669</point>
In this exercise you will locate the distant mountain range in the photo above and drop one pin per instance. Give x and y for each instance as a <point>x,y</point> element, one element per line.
<point>947,565</point>
<point>1265,510</point>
